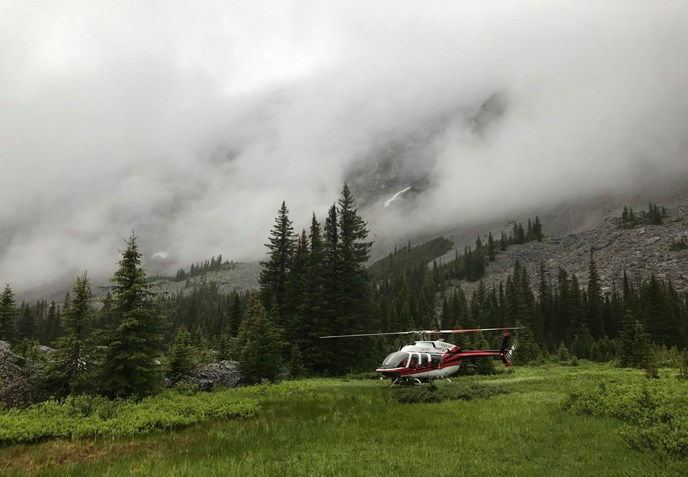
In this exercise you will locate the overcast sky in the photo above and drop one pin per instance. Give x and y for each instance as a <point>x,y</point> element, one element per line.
<point>190,122</point>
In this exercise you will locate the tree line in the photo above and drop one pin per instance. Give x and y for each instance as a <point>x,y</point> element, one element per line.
<point>317,283</point>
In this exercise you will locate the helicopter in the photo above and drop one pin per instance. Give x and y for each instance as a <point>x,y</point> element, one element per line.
<point>434,359</point>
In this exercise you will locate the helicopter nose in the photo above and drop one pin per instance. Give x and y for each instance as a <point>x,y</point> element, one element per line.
<point>387,372</point>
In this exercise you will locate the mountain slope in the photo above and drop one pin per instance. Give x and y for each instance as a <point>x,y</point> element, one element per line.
<point>639,251</point>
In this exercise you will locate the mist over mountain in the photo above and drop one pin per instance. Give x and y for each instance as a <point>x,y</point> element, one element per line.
<point>189,124</point>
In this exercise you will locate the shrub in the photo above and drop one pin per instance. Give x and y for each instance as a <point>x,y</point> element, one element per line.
<point>683,367</point>
<point>655,411</point>
<point>93,416</point>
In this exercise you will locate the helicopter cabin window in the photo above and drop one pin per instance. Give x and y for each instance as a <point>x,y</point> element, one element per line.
<point>396,360</point>
<point>436,361</point>
<point>424,360</point>
<point>415,360</point>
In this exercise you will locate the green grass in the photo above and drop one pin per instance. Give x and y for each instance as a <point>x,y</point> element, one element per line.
<point>357,428</point>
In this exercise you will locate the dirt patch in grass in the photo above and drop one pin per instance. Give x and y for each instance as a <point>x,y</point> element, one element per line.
<point>33,459</point>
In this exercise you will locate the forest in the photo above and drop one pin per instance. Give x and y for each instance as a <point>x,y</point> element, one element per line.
<point>317,282</point>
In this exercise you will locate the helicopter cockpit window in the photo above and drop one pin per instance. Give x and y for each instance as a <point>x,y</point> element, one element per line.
<point>395,360</point>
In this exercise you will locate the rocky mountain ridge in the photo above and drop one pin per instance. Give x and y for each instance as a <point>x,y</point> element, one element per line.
<point>639,251</point>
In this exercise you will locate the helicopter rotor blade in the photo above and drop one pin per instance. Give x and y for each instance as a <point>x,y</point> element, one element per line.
<point>373,334</point>
<point>472,330</point>
<point>423,332</point>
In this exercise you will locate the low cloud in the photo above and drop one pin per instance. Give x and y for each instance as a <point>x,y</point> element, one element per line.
<point>190,124</point>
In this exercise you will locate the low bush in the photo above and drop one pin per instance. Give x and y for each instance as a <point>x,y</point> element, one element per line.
<point>431,393</point>
<point>656,411</point>
<point>94,416</point>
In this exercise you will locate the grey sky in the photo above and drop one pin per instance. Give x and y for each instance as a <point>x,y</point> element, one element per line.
<point>190,122</point>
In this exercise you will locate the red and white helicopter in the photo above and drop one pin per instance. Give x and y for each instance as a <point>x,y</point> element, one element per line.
<point>425,360</point>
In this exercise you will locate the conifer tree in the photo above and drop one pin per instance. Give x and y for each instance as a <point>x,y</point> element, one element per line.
<point>537,229</point>
<point>52,326</point>
<point>260,344</point>
<point>314,307</point>
<point>132,366</point>
<point>8,315</point>
<point>182,359</point>
<point>224,351</point>
<point>491,248</point>
<point>297,281</point>
<point>26,323</point>
<point>595,321</point>
<point>354,295</point>
<point>73,367</point>
<point>635,346</point>
<point>273,276</point>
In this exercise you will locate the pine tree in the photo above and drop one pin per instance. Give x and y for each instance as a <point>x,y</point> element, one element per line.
<point>52,326</point>
<point>26,323</point>
<point>297,281</point>
<point>636,348</point>
<point>72,368</point>
<point>132,366</point>
<point>332,271</point>
<point>491,248</point>
<point>314,309</point>
<point>237,314</point>
<point>354,295</point>
<point>273,276</point>
<point>537,229</point>
<point>182,359</point>
<point>224,351</point>
<point>8,316</point>
<point>595,311</point>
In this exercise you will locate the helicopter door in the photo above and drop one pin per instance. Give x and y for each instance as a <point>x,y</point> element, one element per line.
<point>425,360</point>
<point>436,361</point>
<point>415,360</point>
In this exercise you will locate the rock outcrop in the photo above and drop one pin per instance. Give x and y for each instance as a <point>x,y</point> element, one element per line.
<point>640,251</point>
<point>224,374</point>
<point>18,378</point>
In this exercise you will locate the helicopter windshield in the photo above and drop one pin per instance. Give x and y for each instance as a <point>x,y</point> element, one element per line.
<point>395,360</point>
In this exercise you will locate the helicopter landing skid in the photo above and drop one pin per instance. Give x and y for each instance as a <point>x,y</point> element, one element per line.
<point>406,382</point>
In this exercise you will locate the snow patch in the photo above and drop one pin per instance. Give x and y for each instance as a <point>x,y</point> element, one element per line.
<point>396,196</point>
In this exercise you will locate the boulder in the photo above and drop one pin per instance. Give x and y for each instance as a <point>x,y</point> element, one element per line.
<point>18,378</point>
<point>224,374</point>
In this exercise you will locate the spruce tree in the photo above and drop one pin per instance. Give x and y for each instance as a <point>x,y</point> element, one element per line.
<point>73,366</point>
<point>132,366</point>
<point>26,323</point>
<point>297,281</point>
<point>260,344</point>
<point>224,351</point>
<point>314,307</point>
<point>491,248</point>
<point>52,325</point>
<point>595,320</point>
<point>8,316</point>
<point>273,276</point>
<point>635,345</point>
<point>182,356</point>
<point>354,296</point>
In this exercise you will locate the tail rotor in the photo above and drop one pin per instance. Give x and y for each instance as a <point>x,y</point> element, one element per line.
<point>506,352</point>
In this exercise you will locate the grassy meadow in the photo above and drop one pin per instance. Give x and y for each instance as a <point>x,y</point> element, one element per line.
<point>514,423</point>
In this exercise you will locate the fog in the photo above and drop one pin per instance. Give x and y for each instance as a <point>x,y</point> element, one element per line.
<point>190,123</point>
